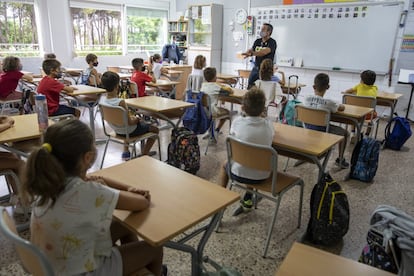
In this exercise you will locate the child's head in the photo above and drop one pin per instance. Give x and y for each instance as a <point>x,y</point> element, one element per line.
<point>51,67</point>
<point>68,150</point>
<point>210,74</point>
<point>138,64</point>
<point>92,60</point>
<point>11,63</point>
<point>199,62</point>
<point>368,77</point>
<point>49,56</point>
<point>266,70</point>
<point>321,82</point>
<point>110,81</point>
<point>156,58</point>
<point>254,102</point>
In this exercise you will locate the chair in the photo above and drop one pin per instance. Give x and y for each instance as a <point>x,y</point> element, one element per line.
<point>364,101</point>
<point>194,82</point>
<point>8,103</point>
<point>243,77</point>
<point>33,259</point>
<point>133,88</point>
<point>212,129</point>
<point>118,116</point>
<point>262,158</point>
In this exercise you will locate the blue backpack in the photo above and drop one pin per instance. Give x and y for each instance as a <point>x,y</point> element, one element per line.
<point>400,133</point>
<point>364,160</point>
<point>195,118</point>
<point>287,113</point>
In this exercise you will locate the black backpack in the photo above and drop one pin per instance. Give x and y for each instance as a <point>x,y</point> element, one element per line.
<point>364,160</point>
<point>329,219</point>
<point>184,151</point>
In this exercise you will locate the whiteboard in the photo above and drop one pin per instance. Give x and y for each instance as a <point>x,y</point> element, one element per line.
<point>351,37</point>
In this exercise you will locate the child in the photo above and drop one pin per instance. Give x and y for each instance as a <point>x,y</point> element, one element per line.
<point>110,81</point>
<point>321,84</point>
<point>271,89</point>
<point>90,75</point>
<point>251,128</point>
<point>155,66</point>
<point>366,86</point>
<point>51,88</point>
<point>211,88</point>
<point>10,77</point>
<point>72,213</point>
<point>139,77</point>
<point>199,64</point>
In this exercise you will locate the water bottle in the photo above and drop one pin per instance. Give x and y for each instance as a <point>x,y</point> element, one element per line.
<point>41,110</point>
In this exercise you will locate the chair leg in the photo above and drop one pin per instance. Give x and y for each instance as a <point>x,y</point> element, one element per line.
<point>286,165</point>
<point>159,147</point>
<point>269,234</point>
<point>300,203</point>
<point>104,153</point>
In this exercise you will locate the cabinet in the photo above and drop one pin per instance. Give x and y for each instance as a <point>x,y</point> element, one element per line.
<point>205,31</point>
<point>179,30</point>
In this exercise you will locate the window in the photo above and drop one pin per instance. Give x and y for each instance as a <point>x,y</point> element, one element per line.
<point>18,31</point>
<point>146,30</point>
<point>97,30</point>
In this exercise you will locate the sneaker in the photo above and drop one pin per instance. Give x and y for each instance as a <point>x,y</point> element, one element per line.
<point>342,163</point>
<point>126,155</point>
<point>245,206</point>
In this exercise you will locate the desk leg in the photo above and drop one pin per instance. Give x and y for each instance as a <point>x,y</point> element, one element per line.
<point>409,102</point>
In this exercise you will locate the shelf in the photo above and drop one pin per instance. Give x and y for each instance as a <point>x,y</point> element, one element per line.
<point>206,33</point>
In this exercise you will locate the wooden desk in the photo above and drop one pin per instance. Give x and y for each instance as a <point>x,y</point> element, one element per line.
<point>86,90</point>
<point>305,260</point>
<point>294,90</point>
<point>124,76</point>
<point>354,115</point>
<point>305,144</point>
<point>185,72</point>
<point>163,108</point>
<point>164,84</point>
<point>25,128</point>
<point>179,201</point>
<point>73,73</point>
<point>227,78</point>
<point>127,68</point>
<point>236,97</point>
<point>388,99</point>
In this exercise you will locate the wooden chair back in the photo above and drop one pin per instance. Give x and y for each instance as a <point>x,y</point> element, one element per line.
<point>133,88</point>
<point>32,258</point>
<point>115,115</point>
<point>313,116</point>
<point>364,101</point>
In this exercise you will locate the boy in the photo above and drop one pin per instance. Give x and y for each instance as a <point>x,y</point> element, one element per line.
<point>366,87</point>
<point>139,77</point>
<point>90,75</point>
<point>110,80</point>
<point>51,88</point>
<point>255,129</point>
<point>321,84</point>
<point>212,89</point>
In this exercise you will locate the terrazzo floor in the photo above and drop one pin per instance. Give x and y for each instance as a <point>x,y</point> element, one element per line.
<point>239,241</point>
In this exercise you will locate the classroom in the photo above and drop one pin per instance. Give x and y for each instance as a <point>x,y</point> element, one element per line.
<point>102,45</point>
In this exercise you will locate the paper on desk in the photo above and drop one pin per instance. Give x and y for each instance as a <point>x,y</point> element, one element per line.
<point>406,76</point>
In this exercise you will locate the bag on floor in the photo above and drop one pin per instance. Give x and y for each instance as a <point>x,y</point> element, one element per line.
<point>400,133</point>
<point>329,208</point>
<point>390,241</point>
<point>183,150</point>
<point>195,118</point>
<point>364,160</point>
<point>219,270</point>
<point>124,89</point>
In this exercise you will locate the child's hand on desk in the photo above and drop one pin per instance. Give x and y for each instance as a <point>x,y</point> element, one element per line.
<point>144,193</point>
<point>96,178</point>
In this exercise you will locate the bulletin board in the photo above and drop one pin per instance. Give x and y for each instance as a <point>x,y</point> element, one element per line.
<point>347,36</point>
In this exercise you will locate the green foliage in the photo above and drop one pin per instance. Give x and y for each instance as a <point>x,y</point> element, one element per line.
<point>144,30</point>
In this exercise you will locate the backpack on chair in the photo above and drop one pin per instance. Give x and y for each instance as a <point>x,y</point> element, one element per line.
<point>400,133</point>
<point>364,160</point>
<point>183,150</point>
<point>195,117</point>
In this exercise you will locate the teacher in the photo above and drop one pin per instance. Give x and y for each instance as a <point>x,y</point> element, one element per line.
<point>263,48</point>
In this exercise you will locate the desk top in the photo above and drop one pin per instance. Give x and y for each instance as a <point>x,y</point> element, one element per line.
<point>124,76</point>
<point>85,90</point>
<point>238,93</point>
<point>354,111</point>
<point>305,260</point>
<point>25,128</point>
<point>179,200</point>
<point>303,140</point>
<point>226,76</point>
<point>162,83</point>
<point>157,104</point>
<point>72,70</point>
<point>388,96</point>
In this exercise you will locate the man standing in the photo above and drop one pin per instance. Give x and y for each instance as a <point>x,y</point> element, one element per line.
<point>171,52</point>
<point>263,48</point>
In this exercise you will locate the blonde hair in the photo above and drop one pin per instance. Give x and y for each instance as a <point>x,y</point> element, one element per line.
<point>266,69</point>
<point>199,62</point>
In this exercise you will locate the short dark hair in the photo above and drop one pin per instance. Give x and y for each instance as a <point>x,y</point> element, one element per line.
<point>269,27</point>
<point>155,57</point>
<point>49,56</point>
<point>49,64</point>
<point>321,82</point>
<point>90,57</point>
<point>210,73</point>
<point>254,102</point>
<point>11,63</point>
<point>368,77</point>
<point>137,63</point>
<point>110,80</point>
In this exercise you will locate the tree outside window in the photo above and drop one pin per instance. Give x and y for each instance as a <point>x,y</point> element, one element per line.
<point>97,31</point>
<point>18,30</point>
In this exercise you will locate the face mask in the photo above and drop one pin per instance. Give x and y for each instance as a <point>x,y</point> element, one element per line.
<point>95,64</point>
<point>20,67</point>
<point>59,75</point>
<point>262,34</point>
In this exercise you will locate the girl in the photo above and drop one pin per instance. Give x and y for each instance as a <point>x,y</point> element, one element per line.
<point>72,213</point>
<point>271,89</point>
<point>155,66</point>
<point>10,78</point>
